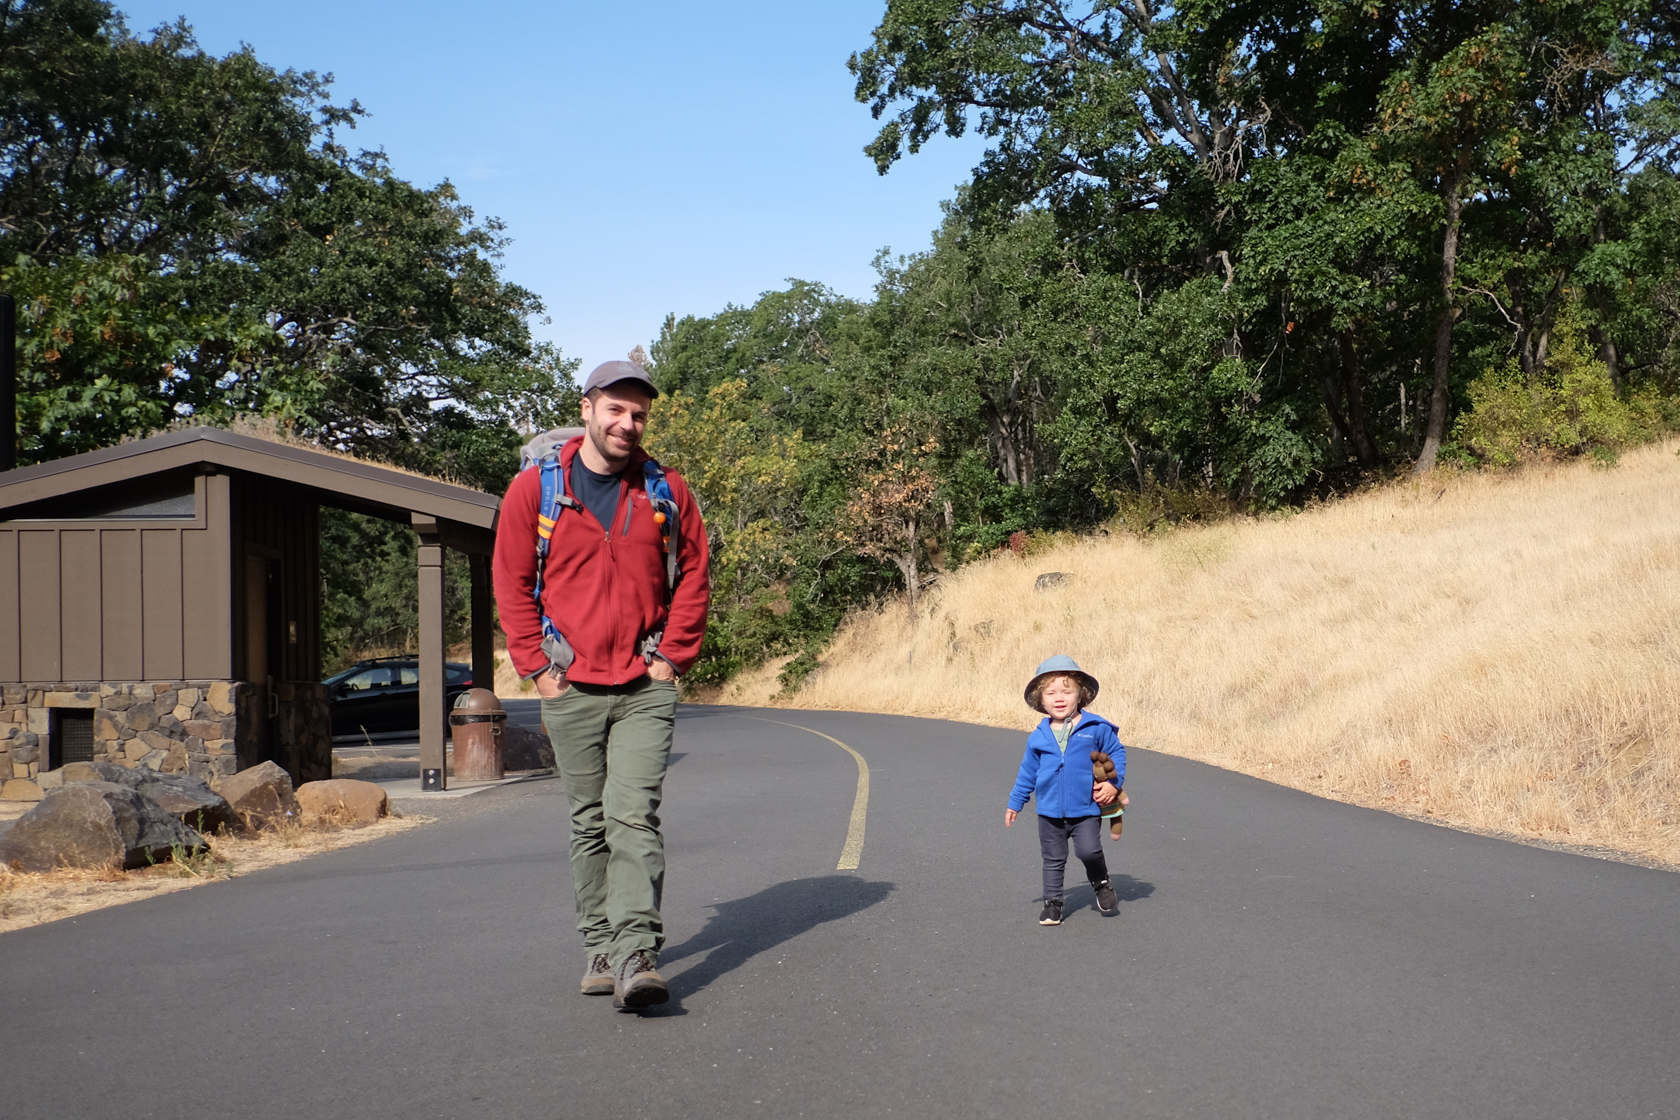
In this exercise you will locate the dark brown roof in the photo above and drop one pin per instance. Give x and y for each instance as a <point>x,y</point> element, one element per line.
<point>338,479</point>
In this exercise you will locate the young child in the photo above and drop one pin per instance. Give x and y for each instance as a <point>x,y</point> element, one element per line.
<point>1057,769</point>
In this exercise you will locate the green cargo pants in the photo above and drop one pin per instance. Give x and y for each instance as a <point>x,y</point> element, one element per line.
<point>612,744</point>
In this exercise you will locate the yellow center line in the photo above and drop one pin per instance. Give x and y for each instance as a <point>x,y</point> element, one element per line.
<point>853,851</point>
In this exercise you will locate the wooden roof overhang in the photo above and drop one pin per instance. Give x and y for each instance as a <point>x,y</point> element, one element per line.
<point>460,517</point>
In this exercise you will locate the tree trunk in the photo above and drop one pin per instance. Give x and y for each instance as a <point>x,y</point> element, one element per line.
<point>907,562</point>
<point>1137,462</point>
<point>1607,354</point>
<point>1338,425</point>
<point>1003,444</point>
<point>1606,347</point>
<point>1353,395</point>
<point>1437,424</point>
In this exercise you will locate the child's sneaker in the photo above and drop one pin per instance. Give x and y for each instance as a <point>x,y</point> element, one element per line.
<point>1051,915</point>
<point>1106,901</point>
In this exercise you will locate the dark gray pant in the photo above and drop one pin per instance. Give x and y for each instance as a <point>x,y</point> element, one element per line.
<point>1053,836</point>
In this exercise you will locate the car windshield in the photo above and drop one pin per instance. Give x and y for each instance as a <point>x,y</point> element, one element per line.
<point>377,676</point>
<point>339,676</point>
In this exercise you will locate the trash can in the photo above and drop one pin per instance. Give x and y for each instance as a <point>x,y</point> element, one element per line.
<point>475,728</point>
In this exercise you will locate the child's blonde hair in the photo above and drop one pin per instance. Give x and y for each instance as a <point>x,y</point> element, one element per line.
<point>1035,694</point>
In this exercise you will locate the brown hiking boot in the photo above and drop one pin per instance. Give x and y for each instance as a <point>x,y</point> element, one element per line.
<point>639,985</point>
<point>598,977</point>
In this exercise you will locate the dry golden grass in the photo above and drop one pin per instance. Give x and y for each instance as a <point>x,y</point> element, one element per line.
<point>31,899</point>
<point>1494,651</point>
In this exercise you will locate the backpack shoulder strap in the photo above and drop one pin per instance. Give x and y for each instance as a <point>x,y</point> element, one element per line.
<point>554,499</point>
<point>664,505</point>
<point>552,480</point>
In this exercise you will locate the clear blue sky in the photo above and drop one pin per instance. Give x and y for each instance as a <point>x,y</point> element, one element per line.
<point>660,157</point>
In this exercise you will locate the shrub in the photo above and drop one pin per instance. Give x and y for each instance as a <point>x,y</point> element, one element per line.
<point>1568,408</point>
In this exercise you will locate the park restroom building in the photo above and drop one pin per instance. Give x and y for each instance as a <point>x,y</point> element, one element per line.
<point>160,603</point>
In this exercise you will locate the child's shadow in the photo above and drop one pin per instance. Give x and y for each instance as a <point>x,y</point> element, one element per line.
<point>1126,889</point>
<point>744,927</point>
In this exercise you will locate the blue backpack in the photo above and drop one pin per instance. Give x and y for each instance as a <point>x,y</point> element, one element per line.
<point>543,454</point>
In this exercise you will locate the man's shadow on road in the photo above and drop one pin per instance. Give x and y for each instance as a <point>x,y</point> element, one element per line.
<point>745,927</point>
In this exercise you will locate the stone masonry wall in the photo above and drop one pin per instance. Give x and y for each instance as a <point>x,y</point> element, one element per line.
<point>303,730</point>
<point>190,727</point>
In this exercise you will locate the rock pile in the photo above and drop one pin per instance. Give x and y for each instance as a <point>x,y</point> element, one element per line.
<point>106,815</point>
<point>261,795</point>
<point>189,800</point>
<point>95,824</point>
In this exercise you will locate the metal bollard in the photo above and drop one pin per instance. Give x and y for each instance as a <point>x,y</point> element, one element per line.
<point>475,728</point>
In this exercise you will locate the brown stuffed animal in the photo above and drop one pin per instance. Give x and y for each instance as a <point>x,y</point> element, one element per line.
<point>1102,770</point>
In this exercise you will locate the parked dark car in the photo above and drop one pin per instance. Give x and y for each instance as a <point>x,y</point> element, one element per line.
<point>382,694</point>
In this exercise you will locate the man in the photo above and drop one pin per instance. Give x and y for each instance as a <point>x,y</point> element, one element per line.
<point>617,624</point>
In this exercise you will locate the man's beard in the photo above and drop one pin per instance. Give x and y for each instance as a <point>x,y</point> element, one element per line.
<point>599,437</point>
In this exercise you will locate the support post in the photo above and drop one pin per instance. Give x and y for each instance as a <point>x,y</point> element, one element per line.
<point>433,761</point>
<point>483,633</point>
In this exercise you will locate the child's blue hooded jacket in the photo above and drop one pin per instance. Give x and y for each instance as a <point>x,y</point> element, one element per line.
<point>1062,782</point>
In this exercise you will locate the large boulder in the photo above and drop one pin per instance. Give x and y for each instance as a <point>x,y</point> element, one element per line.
<point>150,834</point>
<point>71,827</point>
<point>95,772</point>
<point>262,795</point>
<point>524,749</point>
<point>342,801</point>
<point>189,800</point>
<point>95,824</point>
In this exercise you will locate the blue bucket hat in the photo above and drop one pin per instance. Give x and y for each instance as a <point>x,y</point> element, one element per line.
<point>1061,663</point>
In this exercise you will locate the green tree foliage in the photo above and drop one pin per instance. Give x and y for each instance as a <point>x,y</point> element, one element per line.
<point>370,602</point>
<point>1220,254</point>
<point>190,239</point>
<point>760,408</point>
<point>1387,192</point>
<point>109,348</point>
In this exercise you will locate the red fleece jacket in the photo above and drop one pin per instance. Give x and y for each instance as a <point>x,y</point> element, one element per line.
<point>604,590</point>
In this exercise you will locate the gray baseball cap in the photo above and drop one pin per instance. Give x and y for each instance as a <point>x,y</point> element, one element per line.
<point>611,373</point>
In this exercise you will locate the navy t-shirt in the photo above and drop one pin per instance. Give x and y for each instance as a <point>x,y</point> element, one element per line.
<point>597,492</point>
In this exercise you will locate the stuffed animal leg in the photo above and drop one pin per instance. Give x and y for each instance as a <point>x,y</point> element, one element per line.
<point>1102,770</point>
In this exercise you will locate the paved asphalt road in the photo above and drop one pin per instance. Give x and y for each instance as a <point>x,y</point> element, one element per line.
<point>1275,955</point>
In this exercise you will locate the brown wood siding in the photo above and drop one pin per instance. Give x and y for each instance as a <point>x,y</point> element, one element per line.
<point>79,590</point>
<point>130,600</point>
<point>119,551</point>
<point>162,600</point>
<point>38,604</point>
<point>10,667</point>
<point>207,575</point>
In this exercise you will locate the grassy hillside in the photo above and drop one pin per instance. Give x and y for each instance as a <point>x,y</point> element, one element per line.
<point>1499,651</point>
